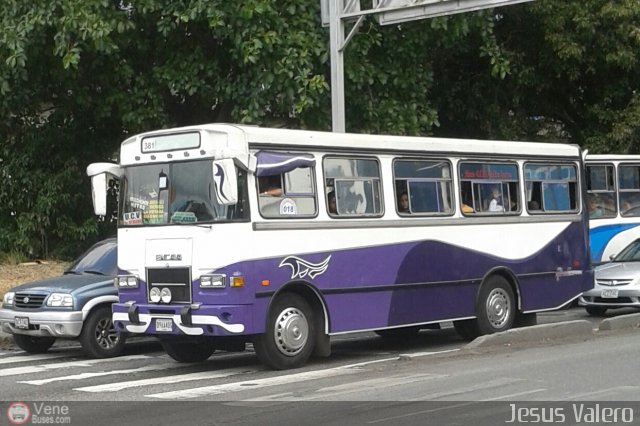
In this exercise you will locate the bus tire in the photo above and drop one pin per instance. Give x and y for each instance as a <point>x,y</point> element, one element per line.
<point>467,329</point>
<point>99,338</point>
<point>496,308</point>
<point>596,311</point>
<point>525,320</point>
<point>33,344</point>
<point>188,351</point>
<point>290,336</point>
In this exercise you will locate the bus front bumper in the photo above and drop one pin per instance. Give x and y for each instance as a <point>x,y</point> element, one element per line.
<point>185,320</point>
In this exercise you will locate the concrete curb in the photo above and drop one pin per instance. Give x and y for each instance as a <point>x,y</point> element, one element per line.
<point>535,333</point>
<point>620,322</point>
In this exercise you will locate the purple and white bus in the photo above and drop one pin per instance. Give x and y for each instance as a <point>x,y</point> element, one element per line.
<point>234,234</point>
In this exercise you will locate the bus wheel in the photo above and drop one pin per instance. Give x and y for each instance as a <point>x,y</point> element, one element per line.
<point>290,336</point>
<point>495,306</point>
<point>596,311</point>
<point>467,329</point>
<point>181,350</point>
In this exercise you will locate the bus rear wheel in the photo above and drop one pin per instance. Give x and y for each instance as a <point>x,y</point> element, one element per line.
<point>596,311</point>
<point>495,306</point>
<point>290,336</point>
<point>495,310</point>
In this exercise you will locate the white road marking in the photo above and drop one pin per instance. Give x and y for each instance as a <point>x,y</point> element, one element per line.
<point>510,396</point>
<point>608,392</point>
<point>207,375</point>
<point>467,389</point>
<point>338,392</point>
<point>279,380</point>
<point>72,364</point>
<point>83,376</point>
<point>28,358</point>
<point>252,384</point>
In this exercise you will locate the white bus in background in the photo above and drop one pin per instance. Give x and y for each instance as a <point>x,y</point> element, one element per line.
<point>613,200</point>
<point>228,234</point>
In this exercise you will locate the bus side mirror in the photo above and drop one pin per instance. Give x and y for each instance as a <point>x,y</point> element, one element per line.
<point>99,194</point>
<point>225,181</point>
<point>99,173</point>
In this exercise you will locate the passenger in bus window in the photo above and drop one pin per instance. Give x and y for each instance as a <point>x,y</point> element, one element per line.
<point>594,208</point>
<point>609,206</point>
<point>495,204</point>
<point>270,185</point>
<point>403,203</point>
<point>331,202</point>
<point>466,200</point>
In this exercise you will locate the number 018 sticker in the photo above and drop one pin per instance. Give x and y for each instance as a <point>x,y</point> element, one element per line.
<point>288,207</point>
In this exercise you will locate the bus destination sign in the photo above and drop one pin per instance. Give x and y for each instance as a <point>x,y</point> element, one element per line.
<point>171,142</point>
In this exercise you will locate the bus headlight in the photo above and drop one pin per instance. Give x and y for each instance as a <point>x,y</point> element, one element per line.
<point>165,295</point>
<point>154,295</point>
<point>213,281</point>
<point>126,281</point>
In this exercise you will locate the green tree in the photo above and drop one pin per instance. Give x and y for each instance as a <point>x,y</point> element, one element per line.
<point>80,76</point>
<point>572,74</point>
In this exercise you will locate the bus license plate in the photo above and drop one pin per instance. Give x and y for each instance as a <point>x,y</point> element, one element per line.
<point>164,324</point>
<point>21,322</point>
<point>610,293</point>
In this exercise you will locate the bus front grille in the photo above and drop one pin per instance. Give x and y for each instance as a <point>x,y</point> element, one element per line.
<point>178,280</point>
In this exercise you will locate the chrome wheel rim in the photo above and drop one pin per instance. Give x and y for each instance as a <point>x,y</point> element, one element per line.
<point>291,331</point>
<point>498,308</point>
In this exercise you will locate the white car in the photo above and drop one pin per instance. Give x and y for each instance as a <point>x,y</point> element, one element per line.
<point>617,283</point>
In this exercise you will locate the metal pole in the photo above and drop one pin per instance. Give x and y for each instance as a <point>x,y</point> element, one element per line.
<point>336,32</point>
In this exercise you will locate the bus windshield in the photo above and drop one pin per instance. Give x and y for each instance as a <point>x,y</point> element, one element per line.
<point>176,193</point>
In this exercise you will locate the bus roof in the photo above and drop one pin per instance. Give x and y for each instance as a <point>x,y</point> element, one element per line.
<point>612,157</point>
<point>254,135</point>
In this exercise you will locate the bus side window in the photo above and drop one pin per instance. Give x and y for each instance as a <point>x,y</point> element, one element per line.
<point>356,184</point>
<point>288,195</point>
<point>423,187</point>
<point>551,188</point>
<point>493,187</point>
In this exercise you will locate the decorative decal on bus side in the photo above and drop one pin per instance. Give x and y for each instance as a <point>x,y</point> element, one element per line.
<point>300,268</point>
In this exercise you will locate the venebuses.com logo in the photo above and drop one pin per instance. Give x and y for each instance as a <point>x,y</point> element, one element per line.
<point>18,413</point>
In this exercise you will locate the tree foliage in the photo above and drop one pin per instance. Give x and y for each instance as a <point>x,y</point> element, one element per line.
<point>78,77</point>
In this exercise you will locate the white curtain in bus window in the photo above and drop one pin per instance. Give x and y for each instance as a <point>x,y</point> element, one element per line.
<point>356,183</point>
<point>629,178</point>
<point>427,184</point>
<point>551,188</point>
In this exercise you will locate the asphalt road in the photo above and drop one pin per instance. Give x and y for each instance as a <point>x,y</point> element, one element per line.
<point>380,380</point>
